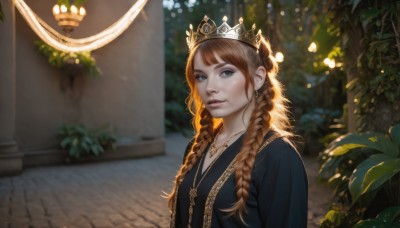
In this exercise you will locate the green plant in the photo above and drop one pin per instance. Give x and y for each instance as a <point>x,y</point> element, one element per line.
<point>1,13</point>
<point>339,216</point>
<point>390,217</point>
<point>364,170</point>
<point>68,61</point>
<point>80,141</point>
<point>177,117</point>
<point>313,125</point>
<point>67,3</point>
<point>367,34</point>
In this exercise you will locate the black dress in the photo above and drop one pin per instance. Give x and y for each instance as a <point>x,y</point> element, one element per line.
<point>277,197</point>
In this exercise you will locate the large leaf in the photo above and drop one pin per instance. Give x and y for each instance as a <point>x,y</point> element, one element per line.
<point>380,173</point>
<point>376,223</point>
<point>385,219</point>
<point>376,141</point>
<point>66,142</point>
<point>343,149</point>
<point>389,214</point>
<point>394,133</point>
<point>329,167</point>
<point>357,178</point>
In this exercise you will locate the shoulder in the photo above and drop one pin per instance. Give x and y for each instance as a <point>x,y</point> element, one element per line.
<point>280,162</point>
<point>279,151</point>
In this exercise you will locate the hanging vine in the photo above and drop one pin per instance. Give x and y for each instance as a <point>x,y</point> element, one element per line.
<point>368,34</point>
<point>64,60</point>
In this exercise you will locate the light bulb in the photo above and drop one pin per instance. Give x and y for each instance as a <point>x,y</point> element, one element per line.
<point>312,47</point>
<point>279,57</point>
<point>63,9</point>
<point>56,9</point>
<point>327,61</point>
<point>74,9</point>
<point>332,64</point>
<point>82,11</point>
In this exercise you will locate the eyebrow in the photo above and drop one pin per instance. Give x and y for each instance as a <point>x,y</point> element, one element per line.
<point>216,67</point>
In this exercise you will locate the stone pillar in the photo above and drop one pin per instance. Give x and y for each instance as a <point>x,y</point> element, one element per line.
<point>10,157</point>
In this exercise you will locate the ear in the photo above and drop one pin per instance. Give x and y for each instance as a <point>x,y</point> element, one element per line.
<point>259,77</point>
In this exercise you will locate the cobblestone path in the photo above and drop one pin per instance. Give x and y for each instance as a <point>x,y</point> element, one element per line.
<point>110,194</point>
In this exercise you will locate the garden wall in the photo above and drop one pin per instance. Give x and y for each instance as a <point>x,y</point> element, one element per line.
<point>38,98</point>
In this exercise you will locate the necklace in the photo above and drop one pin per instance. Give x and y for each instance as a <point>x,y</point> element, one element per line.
<point>213,149</point>
<point>193,189</point>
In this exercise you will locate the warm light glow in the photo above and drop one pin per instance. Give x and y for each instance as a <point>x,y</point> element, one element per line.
<point>279,57</point>
<point>74,9</point>
<point>332,64</point>
<point>308,85</point>
<point>82,11</point>
<point>56,9</point>
<point>63,9</point>
<point>66,44</point>
<point>312,47</point>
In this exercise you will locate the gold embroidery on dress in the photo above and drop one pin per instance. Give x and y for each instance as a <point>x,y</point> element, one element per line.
<point>214,190</point>
<point>220,182</point>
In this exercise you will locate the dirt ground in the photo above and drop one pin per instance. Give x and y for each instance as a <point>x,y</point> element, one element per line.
<point>319,194</point>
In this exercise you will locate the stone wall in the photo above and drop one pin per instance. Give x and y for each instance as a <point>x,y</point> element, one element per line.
<point>129,94</point>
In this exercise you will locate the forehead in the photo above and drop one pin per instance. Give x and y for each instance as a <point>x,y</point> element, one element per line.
<point>202,59</point>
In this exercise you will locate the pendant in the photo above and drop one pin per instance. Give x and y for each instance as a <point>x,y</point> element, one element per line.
<point>192,195</point>
<point>213,151</point>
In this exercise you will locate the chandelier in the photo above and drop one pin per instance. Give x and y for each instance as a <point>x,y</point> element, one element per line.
<point>64,43</point>
<point>68,18</point>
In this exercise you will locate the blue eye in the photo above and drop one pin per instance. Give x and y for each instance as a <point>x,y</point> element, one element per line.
<point>227,73</point>
<point>200,77</point>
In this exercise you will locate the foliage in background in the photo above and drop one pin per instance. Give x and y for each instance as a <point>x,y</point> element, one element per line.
<point>68,3</point>
<point>315,91</point>
<point>288,27</point>
<point>177,117</point>
<point>81,142</point>
<point>364,171</point>
<point>367,34</point>
<point>390,217</point>
<point>67,61</point>
<point>1,13</point>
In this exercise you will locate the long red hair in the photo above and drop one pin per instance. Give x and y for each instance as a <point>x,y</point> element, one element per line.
<point>270,111</point>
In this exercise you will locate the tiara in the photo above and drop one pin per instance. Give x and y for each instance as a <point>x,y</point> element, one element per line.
<point>207,29</point>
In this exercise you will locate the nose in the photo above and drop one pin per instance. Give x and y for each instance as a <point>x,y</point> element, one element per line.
<point>212,85</point>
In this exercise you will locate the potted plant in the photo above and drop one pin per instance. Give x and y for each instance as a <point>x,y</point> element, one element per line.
<point>80,142</point>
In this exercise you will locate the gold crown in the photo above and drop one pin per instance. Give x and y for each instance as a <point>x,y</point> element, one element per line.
<point>207,29</point>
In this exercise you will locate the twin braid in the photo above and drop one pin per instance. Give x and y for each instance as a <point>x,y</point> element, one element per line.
<point>202,139</point>
<point>205,136</point>
<point>259,126</point>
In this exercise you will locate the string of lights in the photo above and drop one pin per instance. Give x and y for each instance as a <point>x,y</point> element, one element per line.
<point>63,43</point>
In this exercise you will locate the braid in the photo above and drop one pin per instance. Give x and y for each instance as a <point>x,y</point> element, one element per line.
<point>202,139</point>
<point>259,126</point>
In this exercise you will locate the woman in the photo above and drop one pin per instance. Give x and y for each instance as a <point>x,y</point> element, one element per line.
<point>240,170</point>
